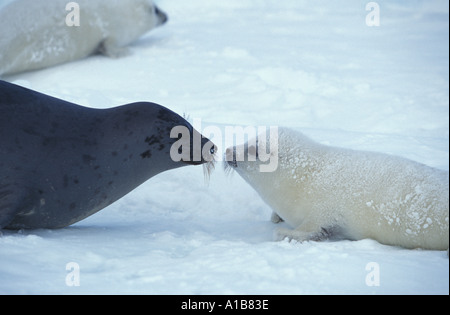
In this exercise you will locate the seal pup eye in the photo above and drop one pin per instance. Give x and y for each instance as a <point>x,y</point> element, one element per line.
<point>212,150</point>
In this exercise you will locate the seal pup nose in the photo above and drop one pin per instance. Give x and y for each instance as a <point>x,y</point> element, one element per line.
<point>229,154</point>
<point>230,158</point>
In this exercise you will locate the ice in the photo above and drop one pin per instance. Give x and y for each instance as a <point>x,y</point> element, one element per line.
<point>314,66</point>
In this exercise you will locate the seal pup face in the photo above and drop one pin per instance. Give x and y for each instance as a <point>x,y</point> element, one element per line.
<point>137,17</point>
<point>258,155</point>
<point>256,161</point>
<point>155,16</point>
<point>274,186</point>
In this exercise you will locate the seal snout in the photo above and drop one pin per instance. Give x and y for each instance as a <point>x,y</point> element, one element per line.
<point>162,16</point>
<point>198,155</point>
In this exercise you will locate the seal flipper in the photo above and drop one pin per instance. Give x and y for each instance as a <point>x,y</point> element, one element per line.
<point>275,218</point>
<point>301,236</point>
<point>307,231</point>
<point>110,48</point>
<point>311,232</point>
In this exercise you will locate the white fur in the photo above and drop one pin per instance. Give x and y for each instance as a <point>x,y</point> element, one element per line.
<point>34,33</point>
<point>325,191</point>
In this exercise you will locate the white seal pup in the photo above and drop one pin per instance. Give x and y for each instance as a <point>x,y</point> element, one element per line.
<point>37,34</point>
<point>328,192</point>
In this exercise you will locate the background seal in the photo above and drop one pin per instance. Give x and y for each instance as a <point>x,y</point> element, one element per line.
<point>36,35</point>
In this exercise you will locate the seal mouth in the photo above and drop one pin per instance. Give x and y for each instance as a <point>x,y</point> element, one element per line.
<point>206,155</point>
<point>208,160</point>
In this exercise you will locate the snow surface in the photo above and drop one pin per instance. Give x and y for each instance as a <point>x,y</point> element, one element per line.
<point>311,65</point>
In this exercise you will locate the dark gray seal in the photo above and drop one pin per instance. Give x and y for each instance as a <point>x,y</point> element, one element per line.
<point>61,162</point>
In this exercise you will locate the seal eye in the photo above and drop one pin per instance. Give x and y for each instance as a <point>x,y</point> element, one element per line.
<point>212,150</point>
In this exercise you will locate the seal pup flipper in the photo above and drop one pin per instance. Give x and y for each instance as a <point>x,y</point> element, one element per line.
<point>111,49</point>
<point>275,218</point>
<point>307,231</point>
<point>300,236</point>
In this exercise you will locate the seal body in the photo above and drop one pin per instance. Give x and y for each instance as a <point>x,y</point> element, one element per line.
<point>36,35</point>
<point>324,192</point>
<point>61,162</point>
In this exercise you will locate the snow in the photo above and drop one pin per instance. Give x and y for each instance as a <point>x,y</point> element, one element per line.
<point>314,66</point>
